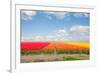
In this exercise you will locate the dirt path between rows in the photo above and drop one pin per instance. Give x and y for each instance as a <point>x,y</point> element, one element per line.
<point>48,57</point>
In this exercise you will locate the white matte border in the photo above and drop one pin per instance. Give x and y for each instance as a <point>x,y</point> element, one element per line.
<point>17,66</point>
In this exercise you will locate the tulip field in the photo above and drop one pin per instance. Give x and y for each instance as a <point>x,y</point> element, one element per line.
<point>54,51</point>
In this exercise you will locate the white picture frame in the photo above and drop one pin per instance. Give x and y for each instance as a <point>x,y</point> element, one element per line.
<point>16,66</point>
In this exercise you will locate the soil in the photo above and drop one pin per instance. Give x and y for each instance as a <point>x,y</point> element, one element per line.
<point>49,57</point>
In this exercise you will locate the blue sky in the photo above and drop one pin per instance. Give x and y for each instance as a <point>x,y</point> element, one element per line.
<point>54,26</point>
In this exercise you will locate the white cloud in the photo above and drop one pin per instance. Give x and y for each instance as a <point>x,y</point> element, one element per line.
<point>27,15</point>
<point>62,31</point>
<point>25,39</point>
<point>80,29</point>
<point>86,14</point>
<point>79,33</point>
<point>81,14</point>
<point>59,15</point>
<point>75,33</point>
